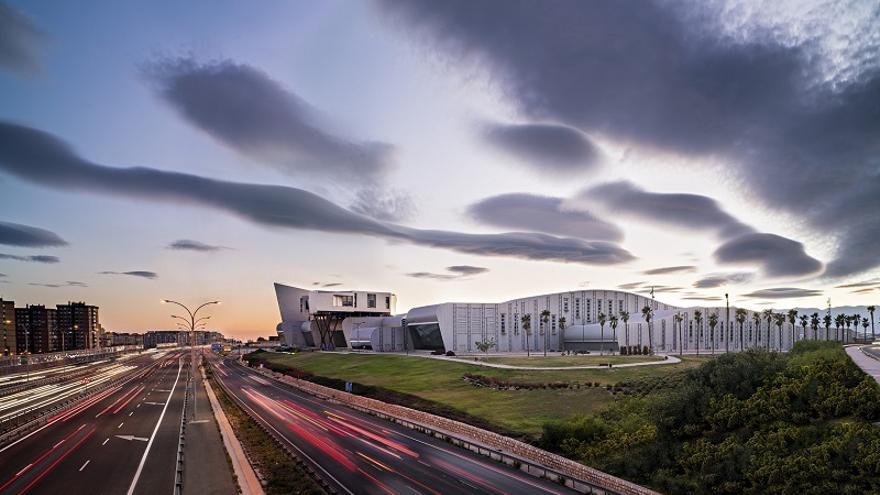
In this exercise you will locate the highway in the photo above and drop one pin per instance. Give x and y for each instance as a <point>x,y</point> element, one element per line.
<point>122,440</point>
<point>362,454</point>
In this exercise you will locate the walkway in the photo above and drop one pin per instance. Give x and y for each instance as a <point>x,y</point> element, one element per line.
<point>866,357</point>
<point>670,359</point>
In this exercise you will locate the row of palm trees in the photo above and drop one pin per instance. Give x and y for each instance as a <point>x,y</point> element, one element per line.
<point>842,324</point>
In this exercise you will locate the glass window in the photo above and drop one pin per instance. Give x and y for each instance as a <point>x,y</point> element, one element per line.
<point>371,300</point>
<point>387,302</point>
<point>343,301</point>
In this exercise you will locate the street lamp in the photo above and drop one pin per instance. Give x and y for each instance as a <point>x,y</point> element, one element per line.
<point>191,323</point>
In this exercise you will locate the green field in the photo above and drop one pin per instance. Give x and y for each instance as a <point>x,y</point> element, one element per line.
<point>442,381</point>
<point>539,361</point>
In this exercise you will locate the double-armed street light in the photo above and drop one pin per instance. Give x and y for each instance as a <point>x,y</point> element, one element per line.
<point>191,324</point>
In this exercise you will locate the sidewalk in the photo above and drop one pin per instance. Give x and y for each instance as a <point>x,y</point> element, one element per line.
<point>864,359</point>
<point>206,469</point>
<point>670,359</point>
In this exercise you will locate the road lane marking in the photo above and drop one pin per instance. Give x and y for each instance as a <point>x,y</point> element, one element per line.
<point>105,442</point>
<point>120,426</point>
<point>129,414</point>
<point>132,437</point>
<point>84,465</point>
<point>140,468</point>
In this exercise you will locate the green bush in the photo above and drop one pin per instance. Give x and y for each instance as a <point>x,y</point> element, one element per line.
<point>753,422</point>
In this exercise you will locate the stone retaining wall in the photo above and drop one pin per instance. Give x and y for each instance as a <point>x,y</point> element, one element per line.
<point>527,458</point>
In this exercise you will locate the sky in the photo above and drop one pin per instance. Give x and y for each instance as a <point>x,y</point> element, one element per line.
<point>444,151</point>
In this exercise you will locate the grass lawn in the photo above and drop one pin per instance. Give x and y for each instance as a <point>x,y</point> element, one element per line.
<point>591,360</point>
<point>441,381</point>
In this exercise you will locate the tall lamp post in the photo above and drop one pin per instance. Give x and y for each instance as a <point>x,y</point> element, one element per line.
<point>191,325</point>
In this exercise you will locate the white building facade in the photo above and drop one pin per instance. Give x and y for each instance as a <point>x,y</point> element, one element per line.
<point>564,321</point>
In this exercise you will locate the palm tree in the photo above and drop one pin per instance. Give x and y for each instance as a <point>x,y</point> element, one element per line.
<point>839,322</point>
<point>814,324</point>
<point>526,326</point>
<point>847,322</point>
<point>740,319</point>
<point>698,318</point>
<point>856,319</point>
<point>713,322</point>
<point>677,318</point>
<point>624,317</point>
<point>561,322</point>
<point>545,318</point>
<point>865,326</point>
<point>613,322</point>
<point>768,314</point>
<point>756,317</point>
<point>601,317</point>
<point>827,321</point>
<point>648,315</point>
<point>780,321</point>
<point>804,320</point>
<point>792,319</point>
<point>871,310</point>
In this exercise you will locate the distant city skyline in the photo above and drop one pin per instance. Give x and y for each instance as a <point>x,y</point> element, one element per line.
<point>443,151</point>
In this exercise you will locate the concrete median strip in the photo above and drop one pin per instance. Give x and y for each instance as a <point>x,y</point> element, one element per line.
<point>245,476</point>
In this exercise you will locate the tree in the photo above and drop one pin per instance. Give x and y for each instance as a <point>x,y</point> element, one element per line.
<point>839,322</point>
<point>624,317</point>
<point>677,319</point>
<point>792,319</point>
<point>527,326</point>
<point>485,345</point>
<point>857,318</point>
<point>804,320</point>
<point>648,315</point>
<point>847,322</point>
<point>545,318</point>
<point>602,318</point>
<point>756,318</point>
<point>713,322</point>
<point>740,319</point>
<point>768,315</point>
<point>865,326</point>
<point>827,321</point>
<point>561,322</point>
<point>613,322</point>
<point>871,310</point>
<point>814,324</point>
<point>779,319</point>
<point>698,319</point>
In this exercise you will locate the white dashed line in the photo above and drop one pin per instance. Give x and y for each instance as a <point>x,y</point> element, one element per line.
<point>105,442</point>
<point>120,426</point>
<point>84,465</point>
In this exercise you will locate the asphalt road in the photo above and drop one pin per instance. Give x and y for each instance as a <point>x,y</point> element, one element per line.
<point>120,441</point>
<point>362,454</point>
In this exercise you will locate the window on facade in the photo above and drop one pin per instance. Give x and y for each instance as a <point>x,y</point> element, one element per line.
<point>387,302</point>
<point>503,328</point>
<point>619,306</point>
<point>343,301</point>
<point>371,300</point>
<point>516,323</point>
<point>577,309</point>
<point>610,307</point>
<point>553,324</point>
<point>565,305</point>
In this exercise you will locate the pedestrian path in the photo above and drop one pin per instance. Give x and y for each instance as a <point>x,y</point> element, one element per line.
<point>866,357</point>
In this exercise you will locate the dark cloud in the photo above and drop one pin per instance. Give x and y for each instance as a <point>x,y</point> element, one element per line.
<point>863,283</point>
<point>134,273</point>
<point>777,256</point>
<point>332,284</point>
<point>864,291</point>
<point>16,234</point>
<point>465,270</point>
<point>455,272</point>
<point>191,245</point>
<point>3,275</point>
<point>41,158</point>
<point>248,111</point>
<point>630,285</point>
<point>703,298</point>
<point>670,269</point>
<point>36,258</point>
<point>552,148</point>
<point>783,293</point>
<point>530,212</point>
<point>674,81</point>
<point>659,289</point>
<point>69,283</point>
<point>690,211</point>
<point>719,280</point>
<point>384,204</point>
<point>21,43</point>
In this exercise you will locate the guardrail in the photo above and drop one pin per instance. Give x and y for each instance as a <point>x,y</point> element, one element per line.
<point>527,458</point>
<point>181,440</point>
